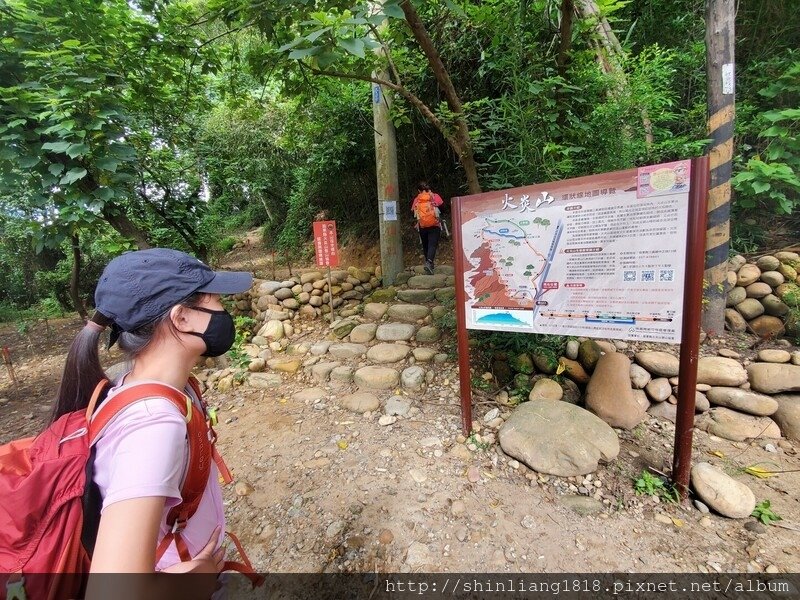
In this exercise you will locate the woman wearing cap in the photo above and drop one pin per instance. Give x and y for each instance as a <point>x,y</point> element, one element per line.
<point>164,310</point>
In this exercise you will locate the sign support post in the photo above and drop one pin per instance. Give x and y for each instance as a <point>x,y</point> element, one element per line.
<point>330,293</point>
<point>464,379</point>
<point>690,336</point>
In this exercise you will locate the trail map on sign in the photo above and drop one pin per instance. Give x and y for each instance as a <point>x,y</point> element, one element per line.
<point>600,256</point>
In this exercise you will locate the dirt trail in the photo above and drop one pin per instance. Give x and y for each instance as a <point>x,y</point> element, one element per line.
<point>321,489</point>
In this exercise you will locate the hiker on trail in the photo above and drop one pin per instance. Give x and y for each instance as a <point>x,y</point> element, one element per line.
<point>426,211</point>
<point>153,464</point>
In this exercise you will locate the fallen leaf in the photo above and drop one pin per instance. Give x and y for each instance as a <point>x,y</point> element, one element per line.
<point>759,472</point>
<point>716,453</point>
<point>342,444</point>
<point>677,522</point>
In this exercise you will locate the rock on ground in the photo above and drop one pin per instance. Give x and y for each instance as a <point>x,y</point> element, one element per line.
<point>387,353</point>
<point>394,332</point>
<point>360,402</point>
<point>722,493</point>
<point>772,378</point>
<point>788,415</point>
<point>379,378</point>
<point>661,364</point>
<point>609,393</point>
<point>558,438</point>
<point>546,389</point>
<point>736,426</point>
<point>718,370</point>
<point>742,400</point>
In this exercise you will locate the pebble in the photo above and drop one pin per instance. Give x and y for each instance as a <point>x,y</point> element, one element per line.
<point>706,522</point>
<point>663,519</point>
<point>386,537</point>
<point>242,488</point>
<point>457,508</point>
<point>528,522</point>
<point>387,420</point>
<point>770,448</point>
<point>461,534</point>
<point>755,527</point>
<point>418,476</point>
<point>701,507</point>
<point>473,474</point>
<point>772,569</point>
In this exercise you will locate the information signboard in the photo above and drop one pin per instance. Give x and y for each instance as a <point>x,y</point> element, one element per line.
<point>600,256</point>
<point>325,244</point>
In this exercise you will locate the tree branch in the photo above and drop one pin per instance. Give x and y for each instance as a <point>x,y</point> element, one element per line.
<point>414,100</point>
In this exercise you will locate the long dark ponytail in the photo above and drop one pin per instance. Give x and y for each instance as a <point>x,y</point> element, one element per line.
<point>82,372</point>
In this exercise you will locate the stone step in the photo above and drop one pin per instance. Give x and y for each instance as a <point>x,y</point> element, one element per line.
<point>408,312</point>
<point>388,353</point>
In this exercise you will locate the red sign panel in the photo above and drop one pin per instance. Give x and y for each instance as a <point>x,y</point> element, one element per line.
<point>325,244</point>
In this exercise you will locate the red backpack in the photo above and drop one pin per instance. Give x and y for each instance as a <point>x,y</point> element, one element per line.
<point>427,214</point>
<point>50,507</point>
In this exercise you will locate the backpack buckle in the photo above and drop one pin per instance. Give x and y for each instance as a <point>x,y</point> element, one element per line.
<point>177,527</point>
<point>15,590</point>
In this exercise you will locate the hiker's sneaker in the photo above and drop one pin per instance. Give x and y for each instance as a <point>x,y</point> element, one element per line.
<point>429,268</point>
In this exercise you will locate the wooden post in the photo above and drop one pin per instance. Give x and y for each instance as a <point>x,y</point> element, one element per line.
<point>386,171</point>
<point>690,332</point>
<point>720,15</point>
<point>464,375</point>
<point>9,365</point>
<point>330,292</point>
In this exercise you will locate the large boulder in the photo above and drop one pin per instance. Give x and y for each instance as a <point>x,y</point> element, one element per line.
<point>736,426</point>
<point>589,353</point>
<point>772,378</point>
<point>609,393</point>
<point>742,400</point>
<point>721,492</point>
<point>376,378</point>
<point>750,308</point>
<point>558,438</point>
<point>748,274</point>
<point>408,312</point>
<point>360,402</point>
<point>767,326</point>
<point>393,332</point>
<point>718,370</point>
<point>388,353</point>
<point>661,364</point>
<point>734,321</point>
<point>546,389</point>
<point>788,415</point>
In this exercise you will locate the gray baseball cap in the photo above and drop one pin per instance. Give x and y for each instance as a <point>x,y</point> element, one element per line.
<point>138,287</point>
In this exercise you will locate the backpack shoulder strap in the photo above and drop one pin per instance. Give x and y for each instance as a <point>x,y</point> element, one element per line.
<point>200,451</point>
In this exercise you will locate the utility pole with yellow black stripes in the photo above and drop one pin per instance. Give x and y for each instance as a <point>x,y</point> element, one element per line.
<point>720,71</point>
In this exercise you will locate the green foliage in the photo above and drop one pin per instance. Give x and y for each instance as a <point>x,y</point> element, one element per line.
<point>769,169</point>
<point>525,343</point>
<point>652,485</point>
<point>764,513</point>
<point>244,331</point>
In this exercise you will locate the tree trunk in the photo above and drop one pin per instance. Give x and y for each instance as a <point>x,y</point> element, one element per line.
<point>125,227</point>
<point>74,278</point>
<point>463,143</point>
<point>565,36</point>
<point>720,61</point>
<point>610,54</point>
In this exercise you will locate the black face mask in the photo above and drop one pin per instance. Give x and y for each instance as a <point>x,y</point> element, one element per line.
<point>220,333</point>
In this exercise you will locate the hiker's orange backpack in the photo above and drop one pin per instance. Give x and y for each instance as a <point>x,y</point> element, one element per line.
<point>50,507</point>
<point>427,214</point>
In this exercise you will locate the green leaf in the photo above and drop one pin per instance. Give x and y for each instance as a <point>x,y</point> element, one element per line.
<point>354,46</point>
<point>304,52</point>
<point>107,164</point>
<point>56,169</point>
<point>16,122</point>
<point>56,146</point>
<point>326,59</point>
<point>393,11</point>
<point>71,43</point>
<point>104,193</point>
<point>26,162</point>
<point>759,187</point>
<point>73,175</point>
<point>76,150</point>
<point>312,37</point>
<point>290,45</point>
